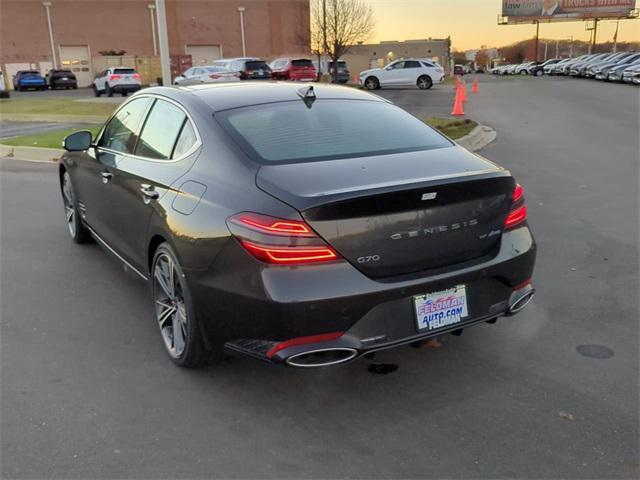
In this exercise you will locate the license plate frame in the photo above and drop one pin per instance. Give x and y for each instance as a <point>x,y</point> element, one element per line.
<point>436,311</point>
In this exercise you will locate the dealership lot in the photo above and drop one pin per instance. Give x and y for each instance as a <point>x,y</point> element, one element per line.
<point>88,391</point>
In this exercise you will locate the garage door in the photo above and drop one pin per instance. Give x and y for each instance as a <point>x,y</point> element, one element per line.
<point>203,54</point>
<point>77,59</point>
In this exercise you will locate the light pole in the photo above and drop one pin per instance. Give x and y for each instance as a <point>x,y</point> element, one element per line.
<point>153,29</point>
<point>244,47</point>
<point>163,40</point>
<point>46,6</point>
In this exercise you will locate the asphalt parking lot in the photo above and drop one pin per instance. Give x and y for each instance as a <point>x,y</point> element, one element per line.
<point>88,391</point>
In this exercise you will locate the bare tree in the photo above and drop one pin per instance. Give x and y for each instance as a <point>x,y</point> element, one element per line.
<point>340,24</point>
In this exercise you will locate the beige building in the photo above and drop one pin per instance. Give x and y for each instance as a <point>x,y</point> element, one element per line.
<point>364,56</point>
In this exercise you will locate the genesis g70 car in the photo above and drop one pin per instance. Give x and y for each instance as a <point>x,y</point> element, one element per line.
<point>299,225</point>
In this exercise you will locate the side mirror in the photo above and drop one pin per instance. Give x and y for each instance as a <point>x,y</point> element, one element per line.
<point>78,141</point>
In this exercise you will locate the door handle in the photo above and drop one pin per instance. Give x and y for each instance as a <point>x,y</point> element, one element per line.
<point>149,192</point>
<point>106,176</point>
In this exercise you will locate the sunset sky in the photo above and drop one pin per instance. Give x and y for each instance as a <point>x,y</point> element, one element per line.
<point>472,23</point>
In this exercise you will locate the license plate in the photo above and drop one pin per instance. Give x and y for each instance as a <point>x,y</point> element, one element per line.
<point>441,309</point>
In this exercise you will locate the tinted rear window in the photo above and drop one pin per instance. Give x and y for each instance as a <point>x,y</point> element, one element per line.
<point>301,63</point>
<point>256,65</point>
<point>289,132</point>
<point>124,70</point>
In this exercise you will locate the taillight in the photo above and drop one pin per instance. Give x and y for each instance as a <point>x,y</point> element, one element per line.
<point>279,241</point>
<point>518,213</point>
<point>136,76</point>
<point>115,77</point>
<point>214,76</point>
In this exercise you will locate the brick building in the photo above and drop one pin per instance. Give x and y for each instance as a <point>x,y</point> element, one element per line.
<point>72,33</point>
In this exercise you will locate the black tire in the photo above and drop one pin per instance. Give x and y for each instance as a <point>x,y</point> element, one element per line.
<point>124,94</point>
<point>424,82</point>
<point>188,349</point>
<point>109,91</point>
<point>96,92</point>
<point>372,83</point>
<point>75,87</point>
<point>539,73</point>
<point>77,230</point>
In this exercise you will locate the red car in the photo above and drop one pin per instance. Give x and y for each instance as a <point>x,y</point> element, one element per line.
<point>296,69</point>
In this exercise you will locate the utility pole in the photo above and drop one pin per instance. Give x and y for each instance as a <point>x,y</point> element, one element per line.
<point>557,49</point>
<point>324,33</point>
<point>615,37</point>
<point>546,45</point>
<point>535,48</point>
<point>46,6</point>
<point>595,33</point>
<point>163,41</point>
<point>153,29</point>
<point>244,47</point>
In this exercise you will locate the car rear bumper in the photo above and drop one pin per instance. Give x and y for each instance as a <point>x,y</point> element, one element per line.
<point>266,305</point>
<point>126,88</point>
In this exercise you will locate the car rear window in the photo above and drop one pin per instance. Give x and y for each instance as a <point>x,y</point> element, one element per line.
<point>124,70</point>
<point>289,132</point>
<point>256,65</point>
<point>301,63</point>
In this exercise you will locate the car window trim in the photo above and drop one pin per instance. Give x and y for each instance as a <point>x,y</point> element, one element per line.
<point>136,133</point>
<point>197,144</point>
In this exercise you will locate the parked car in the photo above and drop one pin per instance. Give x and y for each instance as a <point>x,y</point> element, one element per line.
<point>122,80</point>
<point>256,240</point>
<point>343,75</point>
<point>248,68</point>
<point>459,70</point>
<point>4,93</point>
<point>293,69</point>
<point>61,79</point>
<point>552,68</point>
<point>615,73</point>
<point>206,74</point>
<point>579,69</point>
<point>26,79</point>
<point>537,69</point>
<point>631,75</point>
<point>597,69</point>
<point>523,68</point>
<point>411,71</point>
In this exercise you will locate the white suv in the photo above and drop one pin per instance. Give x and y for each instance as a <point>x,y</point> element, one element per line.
<point>121,80</point>
<point>419,72</point>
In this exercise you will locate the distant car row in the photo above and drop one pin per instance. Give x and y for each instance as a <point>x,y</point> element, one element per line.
<point>54,79</point>
<point>612,67</point>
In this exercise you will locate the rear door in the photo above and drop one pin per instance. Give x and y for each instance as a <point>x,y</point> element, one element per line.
<point>410,72</point>
<point>165,150</point>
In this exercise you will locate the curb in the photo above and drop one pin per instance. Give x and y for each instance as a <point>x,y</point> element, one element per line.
<point>478,138</point>
<point>33,154</point>
<point>33,117</point>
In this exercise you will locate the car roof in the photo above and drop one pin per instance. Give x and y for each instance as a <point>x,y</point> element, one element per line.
<point>225,96</point>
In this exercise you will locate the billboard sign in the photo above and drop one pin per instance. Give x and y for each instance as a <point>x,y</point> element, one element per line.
<point>566,9</point>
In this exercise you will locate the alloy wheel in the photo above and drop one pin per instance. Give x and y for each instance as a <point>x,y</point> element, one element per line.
<point>68,200</point>
<point>169,303</point>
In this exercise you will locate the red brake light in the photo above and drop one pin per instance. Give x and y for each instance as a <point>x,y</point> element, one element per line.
<point>279,241</point>
<point>136,76</point>
<point>114,77</point>
<point>274,225</point>
<point>290,255</point>
<point>214,76</point>
<point>518,213</point>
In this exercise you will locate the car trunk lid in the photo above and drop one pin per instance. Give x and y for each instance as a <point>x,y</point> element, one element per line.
<point>397,214</point>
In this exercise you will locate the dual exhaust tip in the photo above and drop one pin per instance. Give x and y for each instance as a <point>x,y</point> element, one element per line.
<point>323,357</point>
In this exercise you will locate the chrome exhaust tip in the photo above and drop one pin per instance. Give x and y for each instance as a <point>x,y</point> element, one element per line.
<point>520,299</point>
<point>322,357</point>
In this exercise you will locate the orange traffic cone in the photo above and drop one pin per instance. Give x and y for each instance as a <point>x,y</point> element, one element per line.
<point>458,107</point>
<point>463,91</point>
<point>475,88</point>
